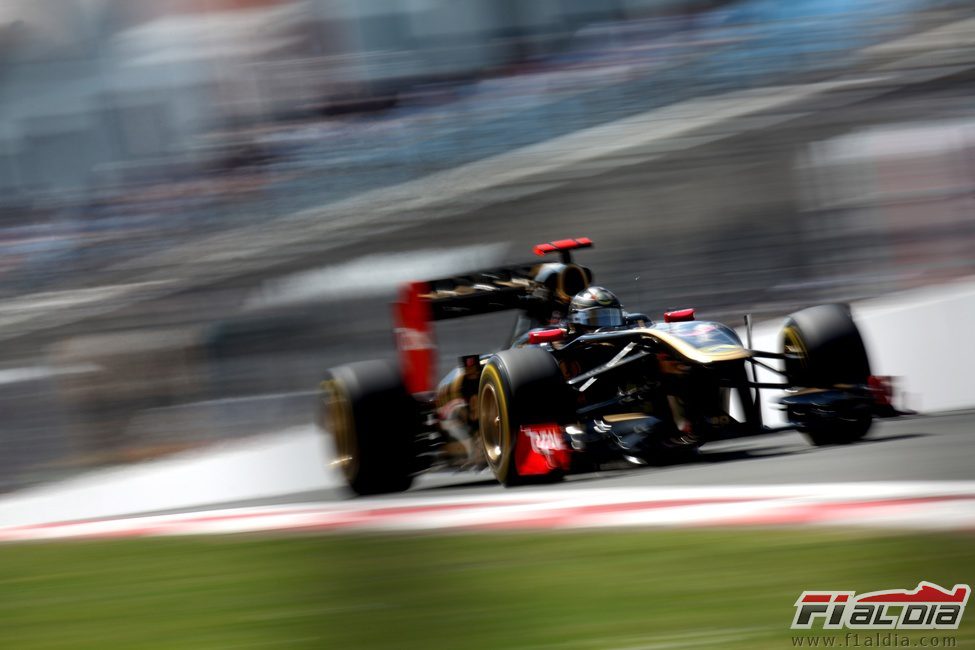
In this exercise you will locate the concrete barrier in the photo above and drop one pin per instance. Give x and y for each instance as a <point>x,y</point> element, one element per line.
<point>286,462</point>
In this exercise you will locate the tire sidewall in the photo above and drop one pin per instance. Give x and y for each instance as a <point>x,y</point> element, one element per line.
<point>504,467</point>
<point>831,347</point>
<point>383,420</point>
<point>531,390</point>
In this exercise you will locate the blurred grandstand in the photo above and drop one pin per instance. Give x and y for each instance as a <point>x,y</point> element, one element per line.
<point>129,129</point>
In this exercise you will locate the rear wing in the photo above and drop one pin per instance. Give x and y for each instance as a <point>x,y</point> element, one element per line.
<point>563,246</point>
<point>535,288</point>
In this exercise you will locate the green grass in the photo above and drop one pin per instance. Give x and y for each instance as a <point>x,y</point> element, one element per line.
<point>708,589</point>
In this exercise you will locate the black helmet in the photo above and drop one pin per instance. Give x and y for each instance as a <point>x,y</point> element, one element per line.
<point>595,308</point>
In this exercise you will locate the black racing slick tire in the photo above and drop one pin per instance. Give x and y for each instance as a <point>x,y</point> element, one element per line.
<point>374,422</point>
<point>828,345</point>
<point>518,386</point>
<point>838,432</point>
<point>827,351</point>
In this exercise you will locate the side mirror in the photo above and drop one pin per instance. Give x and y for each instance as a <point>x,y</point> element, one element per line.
<point>546,336</point>
<point>679,316</point>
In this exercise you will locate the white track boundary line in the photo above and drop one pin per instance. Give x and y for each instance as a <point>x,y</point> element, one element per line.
<point>897,505</point>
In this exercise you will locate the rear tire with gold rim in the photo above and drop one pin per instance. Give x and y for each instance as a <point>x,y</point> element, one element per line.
<point>518,387</point>
<point>373,422</point>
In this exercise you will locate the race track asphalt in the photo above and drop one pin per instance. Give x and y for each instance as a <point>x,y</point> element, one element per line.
<point>918,448</point>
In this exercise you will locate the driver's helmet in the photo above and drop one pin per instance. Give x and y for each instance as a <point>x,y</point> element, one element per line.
<point>595,308</point>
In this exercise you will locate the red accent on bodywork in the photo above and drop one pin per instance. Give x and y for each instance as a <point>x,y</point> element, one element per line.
<point>678,316</point>
<point>541,449</point>
<point>563,245</point>
<point>882,389</point>
<point>546,336</point>
<point>413,327</point>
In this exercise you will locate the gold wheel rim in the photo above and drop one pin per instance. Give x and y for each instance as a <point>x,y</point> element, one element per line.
<point>339,422</point>
<point>792,344</point>
<point>490,424</point>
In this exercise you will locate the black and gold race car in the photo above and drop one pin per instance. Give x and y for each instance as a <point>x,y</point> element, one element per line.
<point>582,382</point>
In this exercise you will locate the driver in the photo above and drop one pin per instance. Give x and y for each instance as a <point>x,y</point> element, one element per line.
<point>595,308</point>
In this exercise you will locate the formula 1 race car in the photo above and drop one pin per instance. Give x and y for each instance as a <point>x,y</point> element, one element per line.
<point>582,382</point>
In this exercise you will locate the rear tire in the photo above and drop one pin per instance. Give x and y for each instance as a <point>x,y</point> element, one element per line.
<point>518,386</point>
<point>831,353</point>
<point>374,422</point>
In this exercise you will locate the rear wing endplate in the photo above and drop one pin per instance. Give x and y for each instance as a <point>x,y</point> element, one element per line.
<point>420,304</point>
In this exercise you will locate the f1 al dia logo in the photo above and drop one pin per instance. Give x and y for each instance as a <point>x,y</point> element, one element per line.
<point>929,607</point>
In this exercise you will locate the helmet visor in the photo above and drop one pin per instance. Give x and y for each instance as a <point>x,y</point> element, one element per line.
<point>600,317</point>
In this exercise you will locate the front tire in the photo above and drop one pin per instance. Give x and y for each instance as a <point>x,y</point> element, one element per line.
<point>827,351</point>
<point>518,387</point>
<point>838,432</point>
<point>373,421</point>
